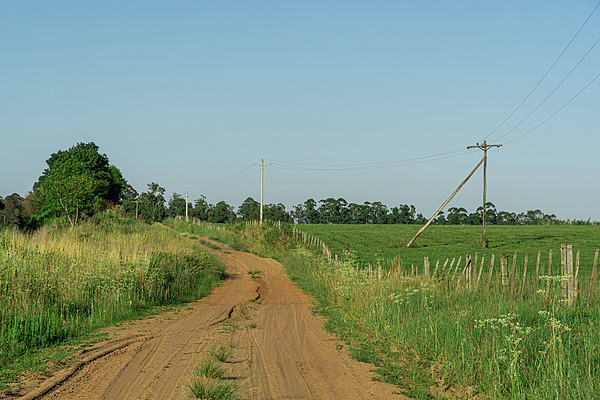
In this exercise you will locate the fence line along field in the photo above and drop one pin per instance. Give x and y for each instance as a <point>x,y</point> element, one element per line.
<point>373,244</point>
<point>520,321</point>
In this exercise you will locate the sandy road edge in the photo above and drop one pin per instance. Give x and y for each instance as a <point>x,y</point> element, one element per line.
<point>63,375</point>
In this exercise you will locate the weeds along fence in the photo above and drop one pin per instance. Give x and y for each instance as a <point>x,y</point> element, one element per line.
<point>509,276</point>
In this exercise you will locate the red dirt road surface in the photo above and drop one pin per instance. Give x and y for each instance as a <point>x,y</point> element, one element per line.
<point>278,349</point>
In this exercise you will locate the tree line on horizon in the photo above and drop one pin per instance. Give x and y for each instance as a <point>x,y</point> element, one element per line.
<point>81,182</point>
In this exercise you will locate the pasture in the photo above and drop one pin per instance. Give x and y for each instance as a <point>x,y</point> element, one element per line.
<point>376,244</point>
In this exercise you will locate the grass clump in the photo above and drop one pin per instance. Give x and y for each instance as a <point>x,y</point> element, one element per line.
<point>220,353</point>
<point>211,389</point>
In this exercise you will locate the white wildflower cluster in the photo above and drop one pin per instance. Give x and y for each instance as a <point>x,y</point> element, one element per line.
<point>556,326</point>
<point>555,278</point>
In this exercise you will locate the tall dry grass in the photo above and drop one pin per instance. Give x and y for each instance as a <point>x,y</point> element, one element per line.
<point>59,282</point>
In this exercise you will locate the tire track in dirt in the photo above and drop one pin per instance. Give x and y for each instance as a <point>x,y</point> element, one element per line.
<point>279,349</point>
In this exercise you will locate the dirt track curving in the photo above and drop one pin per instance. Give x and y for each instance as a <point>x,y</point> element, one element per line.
<point>279,350</point>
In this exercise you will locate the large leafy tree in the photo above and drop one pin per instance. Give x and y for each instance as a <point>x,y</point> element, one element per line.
<point>221,212</point>
<point>176,206</point>
<point>249,210</point>
<point>153,203</point>
<point>79,181</point>
<point>10,211</point>
<point>201,207</point>
<point>276,212</point>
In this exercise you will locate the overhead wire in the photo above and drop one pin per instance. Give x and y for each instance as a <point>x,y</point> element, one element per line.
<point>546,74</point>
<point>365,166</point>
<point>556,112</point>
<point>552,92</point>
<point>216,184</point>
<point>235,183</point>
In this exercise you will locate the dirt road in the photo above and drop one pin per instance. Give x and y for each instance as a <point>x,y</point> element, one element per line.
<point>278,349</point>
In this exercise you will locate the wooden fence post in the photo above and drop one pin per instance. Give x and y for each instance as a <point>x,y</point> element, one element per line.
<point>549,273</point>
<point>571,283</point>
<point>426,266</point>
<point>513,277</point>
<point>437,264</point>
<point>489,282</point>
<point>524,275</point>
<point>589,294</point>
<point>465,272</point>
<point>564,285</point>
<point>537,270</point>
<point>504,270</point>
<point>480,271</point>
<point>576,278</point>
<point>457,266</point>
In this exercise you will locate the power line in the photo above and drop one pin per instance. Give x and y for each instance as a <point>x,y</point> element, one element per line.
<point>552,92</point>
<point>546,74</point>
<point>216,184</point>
<point>366,166</point>
<point>556,112</point>
<point>233,184</point>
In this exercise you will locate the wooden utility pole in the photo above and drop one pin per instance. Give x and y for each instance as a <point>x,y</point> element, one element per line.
<point>484,146</point>
<point>136,207</point>
<point>444,205</point>
<point>262,166</point>
<point>186,206</point>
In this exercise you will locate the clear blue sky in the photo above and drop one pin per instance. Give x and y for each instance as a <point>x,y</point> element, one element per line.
<point>189,93</point>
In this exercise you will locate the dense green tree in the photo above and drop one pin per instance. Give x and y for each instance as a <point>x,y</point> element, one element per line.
<point>457,216</point>
<point>276,212</point>
<point>152,205</point>
<point>221,213</point>
<point>379,213</point>
<point>407,214</point>
<point>330,210</point>
<point>201,207</point>
<point>311,212</point>
<point>360,213</point>
<point>176,206</point>
<point>249,210</point>
<point>130,200</point>
<point>11,211</point>
<point>506,218</point>
<point>78,182</point>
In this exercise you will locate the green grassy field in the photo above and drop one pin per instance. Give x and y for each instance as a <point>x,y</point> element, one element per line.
<point>373,243</point>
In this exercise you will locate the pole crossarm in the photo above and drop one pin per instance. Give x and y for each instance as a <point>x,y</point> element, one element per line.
<point>262,166</point>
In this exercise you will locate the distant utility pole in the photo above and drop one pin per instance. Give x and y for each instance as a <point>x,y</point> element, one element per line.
<point>484,146</point>
<point>262,166</point>
<point>136,207</point>
<point>186,206</point>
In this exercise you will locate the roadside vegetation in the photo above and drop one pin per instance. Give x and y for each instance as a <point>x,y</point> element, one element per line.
<point>437,338</point>
<point>60,283</point>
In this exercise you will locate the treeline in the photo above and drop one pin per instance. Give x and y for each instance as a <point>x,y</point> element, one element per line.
<point>80,182</point>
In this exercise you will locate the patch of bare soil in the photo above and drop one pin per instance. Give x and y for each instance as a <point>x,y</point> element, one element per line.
<point>279,350</point>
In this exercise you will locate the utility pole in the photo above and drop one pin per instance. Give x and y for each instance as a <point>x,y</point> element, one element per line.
<point>186,206</point>
<point>484,146</point>
<point>136,207</point>
<point>262,166</point>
